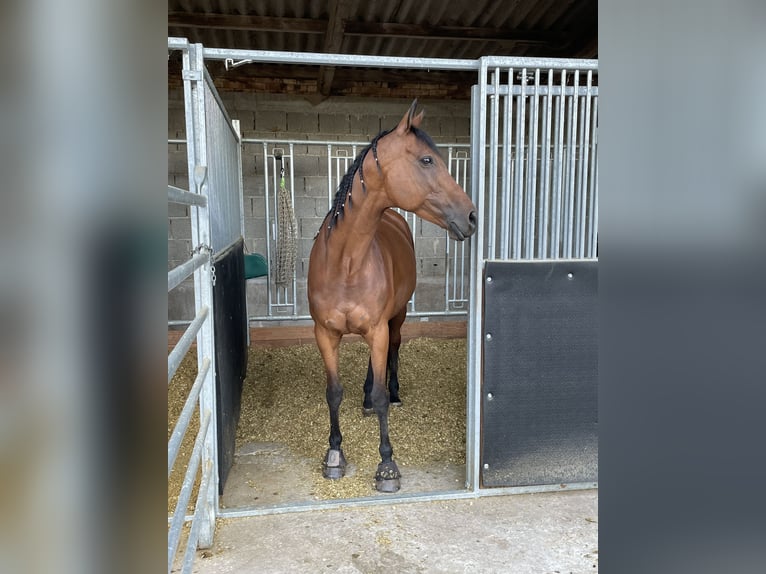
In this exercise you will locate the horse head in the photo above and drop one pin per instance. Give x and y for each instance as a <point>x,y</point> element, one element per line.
<point>416,178</point>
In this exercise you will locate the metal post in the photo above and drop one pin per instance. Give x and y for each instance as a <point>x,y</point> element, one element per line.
<point>203,288</point>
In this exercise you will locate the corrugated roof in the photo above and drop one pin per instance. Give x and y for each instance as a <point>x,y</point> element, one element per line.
<point>415,28</point>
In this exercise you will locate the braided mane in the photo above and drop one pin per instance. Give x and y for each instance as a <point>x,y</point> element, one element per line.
<point>343,194</point>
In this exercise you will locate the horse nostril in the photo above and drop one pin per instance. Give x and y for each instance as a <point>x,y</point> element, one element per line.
<point>472,219</point>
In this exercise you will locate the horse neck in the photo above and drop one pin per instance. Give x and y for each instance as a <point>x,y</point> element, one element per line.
<point>351,238</point>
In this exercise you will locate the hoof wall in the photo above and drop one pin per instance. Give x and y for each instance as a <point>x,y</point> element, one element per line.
<point>367,412</point>
<point>334,465</point>
<point>387,485</point>
<point>387,477</point>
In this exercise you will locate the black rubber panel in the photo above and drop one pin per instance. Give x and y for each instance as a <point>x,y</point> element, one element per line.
<point>230,326</point>
<point>540,383</point>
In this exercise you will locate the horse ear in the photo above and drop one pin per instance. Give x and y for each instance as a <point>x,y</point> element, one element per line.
<point>410,119</point>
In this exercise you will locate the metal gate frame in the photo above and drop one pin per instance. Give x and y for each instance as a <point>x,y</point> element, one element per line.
<point>497,233</point>
<point>215,166</point>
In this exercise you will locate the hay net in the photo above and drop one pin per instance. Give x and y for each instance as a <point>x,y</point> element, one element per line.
<point>286,236</point>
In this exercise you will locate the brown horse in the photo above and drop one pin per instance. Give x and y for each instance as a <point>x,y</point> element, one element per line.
<point>362,267</point>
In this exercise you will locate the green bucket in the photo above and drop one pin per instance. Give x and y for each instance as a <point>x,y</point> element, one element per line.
<point>255,265</point>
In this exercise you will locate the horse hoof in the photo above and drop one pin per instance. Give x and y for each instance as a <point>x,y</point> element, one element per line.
<point>396,403</point>
<point>387,486</point>
<point>334,465</point>
<point>387,477</point>
<point>368,411</point>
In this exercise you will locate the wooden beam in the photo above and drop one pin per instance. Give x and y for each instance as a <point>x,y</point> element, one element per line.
<point>340,10</point>
<point>245,22</point>
<point>353,28</point>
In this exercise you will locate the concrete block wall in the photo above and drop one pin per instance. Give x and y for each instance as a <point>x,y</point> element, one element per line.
<point>285,117</point>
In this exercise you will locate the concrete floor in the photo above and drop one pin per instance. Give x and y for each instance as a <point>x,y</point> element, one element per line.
<point>542,533</point>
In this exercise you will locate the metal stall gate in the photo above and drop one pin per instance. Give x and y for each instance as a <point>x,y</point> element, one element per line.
<point>214,164</point>
<point>533,170</point>
<point>533,332</point>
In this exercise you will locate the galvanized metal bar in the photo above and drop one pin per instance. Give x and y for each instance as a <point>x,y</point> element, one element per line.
<point>593,186</point>
<point>178,274</point>
<point>401,499</point>
<point>322,59</point>
<point>558,159</point>
<point>530,202</point>
<point>505,208</point>
<point>571,167</point>
<point>449,270</point>
<point>291,147</point>
<point>529,90</point>
<point>177,43</point>
<point>178,195</point>
<point>583,182</point>
<point>544,215</point>
<point>269,271</point>
<point>196,522</point>
<point>174,532</point>
<point>493,137</point>
<point>355,143</point>
<point>203,234</point>
<point>475,361</point>
<point>518,198</point>
<point>179,430</point>
<point>179,351</point>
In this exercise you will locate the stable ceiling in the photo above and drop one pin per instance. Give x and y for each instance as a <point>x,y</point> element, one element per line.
<point>415,28</point>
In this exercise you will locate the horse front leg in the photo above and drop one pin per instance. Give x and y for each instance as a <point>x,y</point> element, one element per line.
<point>387,476</point>
<point>334,465</point>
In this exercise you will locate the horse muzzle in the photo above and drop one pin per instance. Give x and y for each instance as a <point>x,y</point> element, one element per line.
<point>461,232</point>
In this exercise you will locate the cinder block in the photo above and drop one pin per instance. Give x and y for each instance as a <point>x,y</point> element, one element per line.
<point>430,247</point>
<point>179,228</point>
<point>444,126</point>
<point>367,126</point>
<point>432,266</point>
<point>180,180</point>
<point>305,165</point>
<point>316,186</point>
<point>255,227</point>
<point>246,121</point>
<point>428,229</point>
<point>309,226</point>
<point>181,302</point>
<point>255,207</point>
<point>178,210</point>
<point>300,123</point>
<point>177,161</point>
<point>390,121</point>
<point>176,120</point>
<point>333,123</point>
<point>178,251</point>
<point>305,207</point>
<point>270,121</point>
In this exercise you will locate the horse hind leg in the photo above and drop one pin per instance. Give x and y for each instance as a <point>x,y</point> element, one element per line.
<point>334,465</point>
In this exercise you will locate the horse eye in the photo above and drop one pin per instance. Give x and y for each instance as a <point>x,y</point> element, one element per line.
<point>427,160</point>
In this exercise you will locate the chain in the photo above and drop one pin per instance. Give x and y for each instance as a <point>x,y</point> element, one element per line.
<point>200,249</point>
